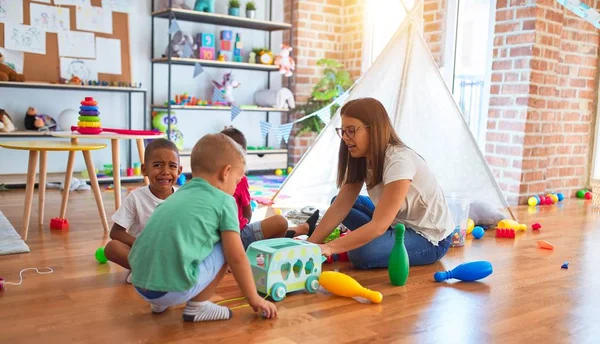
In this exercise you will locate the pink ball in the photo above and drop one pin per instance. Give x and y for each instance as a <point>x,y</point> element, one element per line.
<point>588,195</point>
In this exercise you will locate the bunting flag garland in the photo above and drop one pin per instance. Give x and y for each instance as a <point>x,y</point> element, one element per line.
<point>187,51</point>
<point>285,130</point>
<point>264,128</point>
<point>582,10</point>
<point>217,96</point>
<point>198,69</point>
<point>324,114</point>
<point>174,27</point>
<point>235,111</point>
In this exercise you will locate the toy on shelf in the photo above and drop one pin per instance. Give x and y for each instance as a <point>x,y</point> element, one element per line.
<point>545,245</point>
<point>238,49</point>
<point>226,87</point>
<point>207,6</point>
<point>9,74</point>
<point>164,4</point>
<point>137,169</point>
<point>284,265</point>
<point>285,61</point>
<point>225,52</point>
<point>511,224</point>
<point>178,42</point>
<point>505,233</point>
<point>59,224</point>
<point>343,285</point>
<point>185,100</point>
<point>89,117</point>
<point>265,56</point>
<point>281,99</point>
<point>252,57</point>
<point>207,46</point>
<point>160,121</point>
<point>113,84</point>
<point>34,121</point>
<point>6,123</point>
<point>466,272</point>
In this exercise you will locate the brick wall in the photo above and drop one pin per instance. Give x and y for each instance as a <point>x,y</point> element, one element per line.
<point>542,98</point>
<point>434,22</point>
<point>353,35</point>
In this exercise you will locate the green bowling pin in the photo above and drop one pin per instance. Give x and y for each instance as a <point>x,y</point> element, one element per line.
<point>398,263</point>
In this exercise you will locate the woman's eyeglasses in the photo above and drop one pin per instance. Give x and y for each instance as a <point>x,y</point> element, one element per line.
<point>350,131</point>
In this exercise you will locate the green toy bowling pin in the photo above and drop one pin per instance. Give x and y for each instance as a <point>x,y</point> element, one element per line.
<point>398,263</point>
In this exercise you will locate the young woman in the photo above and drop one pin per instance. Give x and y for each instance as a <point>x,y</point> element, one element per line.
<point>401,188</point>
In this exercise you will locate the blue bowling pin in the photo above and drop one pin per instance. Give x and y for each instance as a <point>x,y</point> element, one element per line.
<point>466,272</point>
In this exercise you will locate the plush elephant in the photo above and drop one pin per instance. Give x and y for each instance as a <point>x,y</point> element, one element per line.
<point>178,41</point>
<point>174,4</point>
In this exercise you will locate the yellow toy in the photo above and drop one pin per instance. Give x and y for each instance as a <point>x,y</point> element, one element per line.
<point>343,285</point>
<point>511,224</point>
<point>470,226</point>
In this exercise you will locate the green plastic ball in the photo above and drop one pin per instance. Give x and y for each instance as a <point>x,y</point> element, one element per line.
<point>581,194</point>
<point>100,257</point>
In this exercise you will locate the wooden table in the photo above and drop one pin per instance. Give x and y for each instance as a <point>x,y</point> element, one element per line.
<point>116,156</point>
<point>41,148</point>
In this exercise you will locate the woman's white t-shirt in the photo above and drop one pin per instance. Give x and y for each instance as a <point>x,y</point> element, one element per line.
<point>425,209</point>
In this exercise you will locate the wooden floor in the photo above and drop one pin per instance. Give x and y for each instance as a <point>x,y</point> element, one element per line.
<point>528,298</point>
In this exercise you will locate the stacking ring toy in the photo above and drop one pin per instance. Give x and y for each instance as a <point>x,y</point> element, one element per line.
<point>89,118</point>
<point>89,113</point>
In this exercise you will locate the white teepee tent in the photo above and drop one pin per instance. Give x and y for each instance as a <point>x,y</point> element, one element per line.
<point>407,81</point>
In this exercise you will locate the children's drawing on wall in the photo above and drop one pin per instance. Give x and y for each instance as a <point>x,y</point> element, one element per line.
<point>93,18</point>
<point>76,44</point>
<point>11,11</point>
<point>73,2</point>
<point>125,6</point>
<point>82,69</point>
<point>24,38</point>
<point>50,18</point>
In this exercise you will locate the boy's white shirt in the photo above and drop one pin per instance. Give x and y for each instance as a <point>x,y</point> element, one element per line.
<point>134,212</point>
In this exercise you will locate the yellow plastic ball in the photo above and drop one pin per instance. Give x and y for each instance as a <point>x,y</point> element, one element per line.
<point>277,211</point>
<point>278,172</point>
<point>470,226</point>
<point>289,170</point>
<point>554,198</point>
<point>532,201</point>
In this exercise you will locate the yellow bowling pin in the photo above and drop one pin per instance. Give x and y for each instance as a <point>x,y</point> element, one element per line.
<point>343,285</point>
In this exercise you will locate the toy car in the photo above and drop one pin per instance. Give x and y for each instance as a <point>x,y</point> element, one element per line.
<point>284,265</point>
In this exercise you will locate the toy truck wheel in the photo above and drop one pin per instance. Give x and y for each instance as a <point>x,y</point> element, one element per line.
<point>312,284</point>
<point>278,292</point>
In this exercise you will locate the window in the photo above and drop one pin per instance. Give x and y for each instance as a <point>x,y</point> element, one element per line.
<point>467,59</point>
<point>382,19</point>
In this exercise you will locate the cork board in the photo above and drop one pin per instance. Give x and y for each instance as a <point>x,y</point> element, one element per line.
<point>46,68</point>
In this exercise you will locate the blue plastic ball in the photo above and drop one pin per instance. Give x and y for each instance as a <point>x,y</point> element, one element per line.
<point>478,232</point>
<point>181,180</point>
<point>537,198</point>
<point>253,204</point>
<point>560,196</point>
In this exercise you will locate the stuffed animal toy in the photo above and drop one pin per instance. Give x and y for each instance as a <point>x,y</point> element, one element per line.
<point>282,99</point>
<point>160,121</point>
<point>285,61</point>
<point>6,123</point>
<point>228,84</point>
<point>178,41</point>
<point>9,74</point>
<point>205,6</point>
<point>33,121</point>
<point>174,4</point>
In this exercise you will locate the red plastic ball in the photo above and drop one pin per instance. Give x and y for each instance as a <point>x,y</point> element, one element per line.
<point>588,195</point>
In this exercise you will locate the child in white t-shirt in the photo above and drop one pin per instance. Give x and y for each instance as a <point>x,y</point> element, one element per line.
<point>161,166</point>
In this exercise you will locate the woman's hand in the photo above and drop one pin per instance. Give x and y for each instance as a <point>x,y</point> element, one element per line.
<point>325,250</point>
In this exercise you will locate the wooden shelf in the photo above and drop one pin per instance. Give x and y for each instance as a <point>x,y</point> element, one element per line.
<point>188,152</point>
<point>221,19</point>
<point>218,64</point>
<point>218,108</point>
<point>44,85</point>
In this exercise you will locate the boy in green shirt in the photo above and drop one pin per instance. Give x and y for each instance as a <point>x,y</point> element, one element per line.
<point>181,255</point>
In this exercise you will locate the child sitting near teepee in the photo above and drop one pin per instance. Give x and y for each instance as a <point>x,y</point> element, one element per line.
<point>272,227</point>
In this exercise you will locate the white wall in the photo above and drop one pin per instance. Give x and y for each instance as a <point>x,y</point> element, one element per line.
<point>113,107</point>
